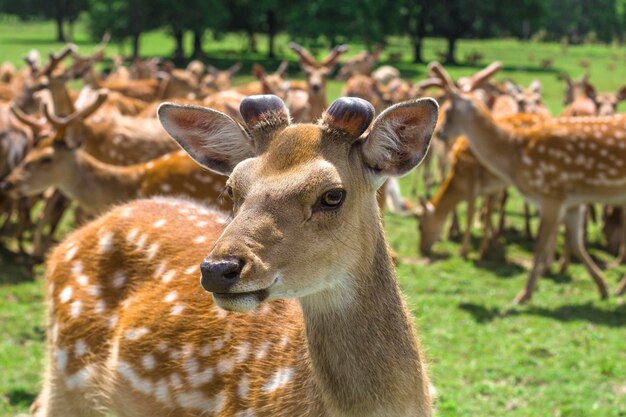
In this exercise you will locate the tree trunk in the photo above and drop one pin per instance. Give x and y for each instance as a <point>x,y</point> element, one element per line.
<point>197,44</point>
<point>136,44</point>
<point>417,50</point>
<point>251,41</point>
<point>59,21</point>
<point>271,34</point>
<point>451,50</point>
<point>179,52</point>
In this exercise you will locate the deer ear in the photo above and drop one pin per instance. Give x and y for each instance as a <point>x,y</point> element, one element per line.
<point>400,137</point>
<point>211,138</point>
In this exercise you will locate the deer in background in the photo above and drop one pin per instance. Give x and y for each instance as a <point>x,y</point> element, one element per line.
<point>578,99</point>
<point>361,64</point>
<point>560,165</point>
<point>289,329</point>
<point>316,73</point>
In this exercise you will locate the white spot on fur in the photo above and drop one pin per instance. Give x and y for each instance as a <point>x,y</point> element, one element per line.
<point>80,348</point>
<point>119,279</point>
<point>140,384</point>
<point>162,391</point>
<point>262,350</point>
<point>82,279</point>
<point>141,242</point>
<point>75,309</point>
<point>113,320</point>
<point>71,252</point>
<point>66,294</point>
<point>191,270</point>
<point>160,269</point>
<point>148,361</point>
<point>80,378</point>
<point>61,355</point>
<point>225,365</point>
<point>136,334</point>
<point>99,307</point>
<point>169,276</point>
<point>159,223</point>
<point>200,240</point>
<point>152,251</point>
<point>170,297</point>
<point>198,401</point>
<point>242,352</point>
<point>166,188</point>
<point>106,242</point>
<point>177,309</point>
<point>130,237</point>
<point>278,380</point>
<point>244,387</point>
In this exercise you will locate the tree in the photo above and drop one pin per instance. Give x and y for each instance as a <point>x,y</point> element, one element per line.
<point>124,19</point>
<point>60,10</point>
<point>414,18</point>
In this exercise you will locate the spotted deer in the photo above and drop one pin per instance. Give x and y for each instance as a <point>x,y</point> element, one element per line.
<point>578,97</point>
<point>559,165</point>
<point>97,186</point>
<point>316,73</point>
<point>291,328</point>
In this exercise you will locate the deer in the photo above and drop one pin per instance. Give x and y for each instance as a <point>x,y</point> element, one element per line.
<point>558,165</point>
<point>96,186</point>
<point>578,99</point>
<point>361,64</point>
<point>606,103</point>
<point>316,73</point>
<point>220,80</point>
<point>288,329</point>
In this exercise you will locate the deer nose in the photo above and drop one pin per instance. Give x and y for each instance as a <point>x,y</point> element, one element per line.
<point>220,276</point>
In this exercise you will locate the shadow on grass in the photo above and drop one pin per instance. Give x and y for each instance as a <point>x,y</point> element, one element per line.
<point>21,397</point>
<point>14,268</point>
<point>614,317</point>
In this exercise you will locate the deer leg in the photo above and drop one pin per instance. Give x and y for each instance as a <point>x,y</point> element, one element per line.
<point>550,214</point>
<point>502,224</point>
<point>54,207</point>
<point>467,235</point>
<point>575,221</point>
<point>527,233</point>
<point>621,289</point>
<point>488,230</point>
<point>621,254</point>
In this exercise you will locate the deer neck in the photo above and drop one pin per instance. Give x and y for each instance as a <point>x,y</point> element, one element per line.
<point>447,197</point>
<point>365,359</point>
<point>317,101</point>
<point>61,99</point>
<point>96,186</point>
<point>492,144</point>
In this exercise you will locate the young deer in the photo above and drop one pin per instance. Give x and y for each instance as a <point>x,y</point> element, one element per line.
<point>316,73</point>
<point>559,165</point>
<point>301,322</point>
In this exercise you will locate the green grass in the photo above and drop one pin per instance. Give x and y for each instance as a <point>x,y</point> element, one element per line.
<point>562,355</point>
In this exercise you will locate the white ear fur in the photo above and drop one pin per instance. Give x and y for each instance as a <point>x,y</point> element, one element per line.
<point>400,137</point>
<point>211,138</point>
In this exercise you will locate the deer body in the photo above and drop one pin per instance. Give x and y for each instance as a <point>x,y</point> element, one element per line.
<point>96,186</point>
<point>292,329</point>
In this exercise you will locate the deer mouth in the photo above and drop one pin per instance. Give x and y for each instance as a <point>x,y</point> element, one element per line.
<point>241,301</point>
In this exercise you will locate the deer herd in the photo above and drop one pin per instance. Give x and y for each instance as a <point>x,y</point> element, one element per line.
<point>176,174</point>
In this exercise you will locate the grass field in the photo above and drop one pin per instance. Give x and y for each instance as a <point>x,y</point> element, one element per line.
<point>563,355</point>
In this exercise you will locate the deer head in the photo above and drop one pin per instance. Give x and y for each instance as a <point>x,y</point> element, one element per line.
<point>58,138</point>
<point>294,184</point>
<point>317,72</point>
<point>606,103</point>
<point>273,83</point>
<point>220,80</point>
<point>528,99</point>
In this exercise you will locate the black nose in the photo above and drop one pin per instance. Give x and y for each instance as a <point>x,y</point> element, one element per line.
<point>220,276</point>
<point>316,87</point>
<point>5,186</point>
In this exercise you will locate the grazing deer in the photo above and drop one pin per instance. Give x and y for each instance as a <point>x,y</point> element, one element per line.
<point>300,322</point>
<point>316,73</point>
<point>559,165</point>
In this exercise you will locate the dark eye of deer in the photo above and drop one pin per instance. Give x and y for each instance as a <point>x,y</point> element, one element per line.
<point>229,191</point>
<point>332,200</point>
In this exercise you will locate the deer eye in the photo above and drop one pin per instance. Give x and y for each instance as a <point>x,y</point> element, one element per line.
<point>45,160</point>
<point>331,200</point>
<point>229,191</point>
